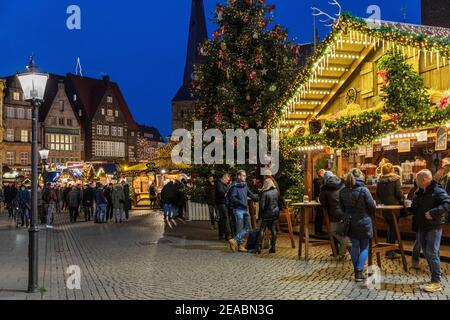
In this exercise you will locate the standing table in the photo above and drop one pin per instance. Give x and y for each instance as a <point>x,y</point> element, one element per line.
<point>305,209</point>
<point>377,247</point>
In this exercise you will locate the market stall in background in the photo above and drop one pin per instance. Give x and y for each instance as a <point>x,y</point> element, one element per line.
<point>371,94</point>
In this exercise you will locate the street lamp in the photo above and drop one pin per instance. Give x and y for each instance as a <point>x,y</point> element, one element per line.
<point>44,156</point>
<point>33,84</point>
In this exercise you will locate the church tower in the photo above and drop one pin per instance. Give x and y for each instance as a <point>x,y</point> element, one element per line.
<point>183,102</point>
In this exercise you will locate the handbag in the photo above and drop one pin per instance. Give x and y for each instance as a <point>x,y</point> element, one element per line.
<point>348,218</point>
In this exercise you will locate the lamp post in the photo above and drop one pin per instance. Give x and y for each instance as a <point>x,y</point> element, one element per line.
<point>33,84</point>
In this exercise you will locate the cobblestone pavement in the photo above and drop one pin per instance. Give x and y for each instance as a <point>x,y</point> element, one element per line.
<point>146,259</point>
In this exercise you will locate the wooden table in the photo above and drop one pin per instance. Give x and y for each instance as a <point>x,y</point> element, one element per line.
<point>377,247</point>
<point>305,208</point>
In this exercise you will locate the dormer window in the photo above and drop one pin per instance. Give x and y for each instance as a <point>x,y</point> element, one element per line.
<point>109,99</point>
<point>110,113</point>
<point>61,105</point>
<point>103,111</point>
<point>16,96</point>
<point>74,97</point>
<point>116,113</point>
<point>80,113</point>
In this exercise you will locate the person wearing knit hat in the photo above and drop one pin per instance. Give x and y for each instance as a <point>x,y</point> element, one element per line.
<point>327,175</point>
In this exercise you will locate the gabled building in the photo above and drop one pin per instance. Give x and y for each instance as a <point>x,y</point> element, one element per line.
<point>2,87</point>
<point>183,105</point>
<point>16,152</point>
<point>60,124</point>
<point>149,140</point>
<point>109,131</point>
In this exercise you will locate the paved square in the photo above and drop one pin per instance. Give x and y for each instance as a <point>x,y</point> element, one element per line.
<point>146,259</point>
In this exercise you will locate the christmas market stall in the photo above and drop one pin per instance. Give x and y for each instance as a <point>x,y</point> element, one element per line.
<point>372,92</point>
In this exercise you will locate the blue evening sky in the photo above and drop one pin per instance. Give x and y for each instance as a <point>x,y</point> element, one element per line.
<point>140,44</point>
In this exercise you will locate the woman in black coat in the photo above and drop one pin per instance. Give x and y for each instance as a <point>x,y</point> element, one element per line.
<point>357,204</point>
<point>269,212</point>
<point>389,193</point>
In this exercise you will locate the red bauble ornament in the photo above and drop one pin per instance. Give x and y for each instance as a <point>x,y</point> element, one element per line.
<point>443,104</point>
<point>218,117</point>
<point>252,75</point>
<point>384,75</point>
<point>395,117</point>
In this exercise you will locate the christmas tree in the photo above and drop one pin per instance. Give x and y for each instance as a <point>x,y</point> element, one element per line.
<point>404,89</point>
<point>250,63</point>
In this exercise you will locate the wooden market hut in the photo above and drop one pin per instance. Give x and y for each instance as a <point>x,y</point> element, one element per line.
<point>335,105</point>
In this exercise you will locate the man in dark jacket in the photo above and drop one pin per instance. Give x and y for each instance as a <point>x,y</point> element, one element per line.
<point>66,191</point>
<point>237,197</point>
<point>329,198</point>
<point>100,204</point>
<point>73,201</point>
<point>127,204</point>
<point>88,202</point>
<point>109,207</point>
<point>430,207</point>
<point>317,184</point>
<point>210,201</point>
<point>169,198</point>
<point>221,188</point>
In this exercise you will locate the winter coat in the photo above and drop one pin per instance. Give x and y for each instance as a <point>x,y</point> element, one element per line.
<point>329,198</point>
<point>359,205</point>
<point>108,194</point>
<point>23,197</point>
<point>10,194</point>
<point>269,204</point>
<point>441,176</point>
<point>118,197</point>
<point>317,184</point>
<point>435,200</point>
<point>169,193</point>
<point>181,194</point>
<point>210,194</point>
<point>74,198</point>
<point>152,191</point>
<point>88,197</point>
<point>126,194</point>
<point>220,192</point>
<point>99,196</point>
<point>238,193</point>
<point>389,190</point>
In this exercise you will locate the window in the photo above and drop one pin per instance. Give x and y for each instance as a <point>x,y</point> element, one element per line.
<point>106,130</point>
<point>20,113</point>
<point>109,149</point>
<point>132,133</point>
<point>103,111</point>
<point>24,135</point>
<point>99,129</point>
<point>9,134</point>
<point>10,158</point>
<point>113,131</point>
<point>16,96</point>
<point>29,113</point>
<point>69,122</point>
<point>116,113</point>
<point>10,112</point>
<point>61,105</point>
<point>61,121</point>
<point>61,142</point>
<point>74,97</point>
<point>120,131</point>
<point>109,99</point>
<point>80,113</point>
<point>53,121</point>
<point>110,112</point>
<point>24,158</point>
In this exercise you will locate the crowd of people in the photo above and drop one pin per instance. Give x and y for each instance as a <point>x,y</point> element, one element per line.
<point>228,201</point>
<point>92,202</point>
<point>351,209</point>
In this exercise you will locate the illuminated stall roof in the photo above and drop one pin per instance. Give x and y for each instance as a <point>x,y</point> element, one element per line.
<point>342,52</point>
